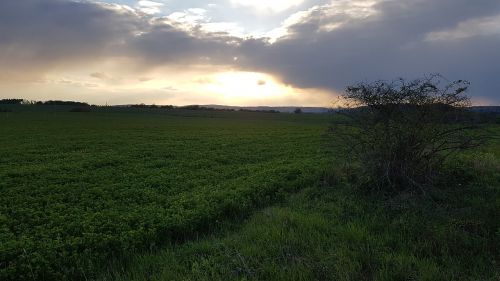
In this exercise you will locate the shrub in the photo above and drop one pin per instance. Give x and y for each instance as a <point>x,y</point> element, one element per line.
<point>401,131</point>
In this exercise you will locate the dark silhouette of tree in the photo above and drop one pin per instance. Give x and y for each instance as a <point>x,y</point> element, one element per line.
<point>297,111</point>
<point>11,101</point>
<point>58,102</point>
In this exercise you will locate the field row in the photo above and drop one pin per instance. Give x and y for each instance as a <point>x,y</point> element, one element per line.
<point>78,189</point>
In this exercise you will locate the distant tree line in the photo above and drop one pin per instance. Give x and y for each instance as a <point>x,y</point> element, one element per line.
<point>142,105</point>
<point>80,106</point>
<point>197,107</point>
<point>50,102</point>
<point>11,101</point>
<point>186,107</point>
<point>59,102</point>
<point>255,110</point>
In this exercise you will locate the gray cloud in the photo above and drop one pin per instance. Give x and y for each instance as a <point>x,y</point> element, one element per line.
<point>164,43</point>
<point>330,46</point>
<point>388,44</point>
<point>36,35</point>
<point>39,34</point>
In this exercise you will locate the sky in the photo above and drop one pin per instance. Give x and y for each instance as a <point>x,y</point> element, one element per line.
<point>241,52</point>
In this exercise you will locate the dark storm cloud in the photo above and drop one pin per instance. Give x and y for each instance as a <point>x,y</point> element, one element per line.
<point>43,33</point>
<point>391,43</point>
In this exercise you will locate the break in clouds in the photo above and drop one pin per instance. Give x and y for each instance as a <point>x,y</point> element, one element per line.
<point>326,45</point>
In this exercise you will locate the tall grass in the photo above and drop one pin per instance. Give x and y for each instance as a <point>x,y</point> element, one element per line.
<point>332,231</point>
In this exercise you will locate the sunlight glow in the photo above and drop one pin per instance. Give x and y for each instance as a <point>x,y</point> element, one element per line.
<point>238,87</point>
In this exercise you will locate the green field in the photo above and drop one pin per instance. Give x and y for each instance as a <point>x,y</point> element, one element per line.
<point>81,188</point>
<point>121,194</point>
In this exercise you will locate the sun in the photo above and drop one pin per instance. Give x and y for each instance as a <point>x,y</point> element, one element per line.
<point>238,87</point>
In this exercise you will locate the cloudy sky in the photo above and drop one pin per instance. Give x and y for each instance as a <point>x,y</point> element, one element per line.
<point>241,52</point>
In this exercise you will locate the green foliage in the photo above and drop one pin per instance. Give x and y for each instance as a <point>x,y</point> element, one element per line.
<point>335,234</point>
<point>80,190</point>
<point>332,232</point>
<point>151,194</point>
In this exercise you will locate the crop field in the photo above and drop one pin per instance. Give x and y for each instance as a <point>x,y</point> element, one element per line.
<point>120,194</point>
<point>80,189</point>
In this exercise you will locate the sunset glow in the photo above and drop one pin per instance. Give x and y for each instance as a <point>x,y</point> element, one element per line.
<point>238,87</point>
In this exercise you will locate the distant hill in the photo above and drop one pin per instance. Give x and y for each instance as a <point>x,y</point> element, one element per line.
<point>291,109</point>
<point>286,109</point>
<point>486,109</point>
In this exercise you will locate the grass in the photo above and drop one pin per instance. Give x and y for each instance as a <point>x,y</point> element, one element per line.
<point>118,194</point>
<point>333,233</point>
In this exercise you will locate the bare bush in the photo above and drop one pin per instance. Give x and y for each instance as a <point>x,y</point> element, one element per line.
<point>401,132</point>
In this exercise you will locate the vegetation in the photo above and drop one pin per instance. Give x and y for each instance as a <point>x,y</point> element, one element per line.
<point>142,105</point>
<point>179,194</point>
<point>332,233</point>
<point>80,109</point>
<point>59,102</point>
<point>254,110</point>
<point>11,101</point>
<point>80,189</point>
<point>402,132</point>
